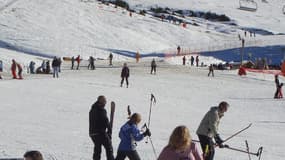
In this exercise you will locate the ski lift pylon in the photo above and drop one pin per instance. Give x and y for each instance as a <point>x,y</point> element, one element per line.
<point>283,9</point>
<point>248,5</point>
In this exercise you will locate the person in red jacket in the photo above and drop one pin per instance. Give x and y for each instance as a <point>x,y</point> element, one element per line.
<point>20,70</point>
<point>78,61</point>
<point>13,69</point>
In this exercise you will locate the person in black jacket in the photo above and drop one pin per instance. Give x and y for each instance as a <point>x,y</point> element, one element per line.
<point>100,129</point>
<point>277,83</point>
<point>125,74</point>
<point>153,66</point>
<point>55,65</point>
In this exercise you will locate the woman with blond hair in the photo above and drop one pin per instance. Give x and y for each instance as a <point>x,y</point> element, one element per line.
<point>180,146</point>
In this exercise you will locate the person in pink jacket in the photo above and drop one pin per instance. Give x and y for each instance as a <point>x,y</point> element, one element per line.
<point>180,146</point>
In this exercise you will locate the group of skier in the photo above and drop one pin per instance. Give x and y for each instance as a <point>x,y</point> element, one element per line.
<point>192,59</point>
<point>180,145</point>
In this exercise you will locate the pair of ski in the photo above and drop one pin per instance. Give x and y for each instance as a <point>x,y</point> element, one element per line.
<point>258,153</point>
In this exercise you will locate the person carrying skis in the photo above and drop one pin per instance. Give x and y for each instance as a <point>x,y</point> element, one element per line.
<point>100,130</point>
<point>180,146</point>
<point>125,74</point>
<point>129,134</point>
<point>277,83</point>
<point>153,66</point>
<point>208,129</point>
<point>33,155</point>
<point>13,69</point>
<point>211,70</point>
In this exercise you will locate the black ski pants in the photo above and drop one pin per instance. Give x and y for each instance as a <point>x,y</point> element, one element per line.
<point>99,140</point>
<point>204,142</point>
<point>211,71</point>
<point>153,69</point>
<point>122,81</point>
<point>132,155</point>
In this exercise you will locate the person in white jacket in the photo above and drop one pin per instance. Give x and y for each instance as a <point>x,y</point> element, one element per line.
<point>208,129</point>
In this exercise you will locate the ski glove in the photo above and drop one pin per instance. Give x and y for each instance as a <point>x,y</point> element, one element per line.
<point>219,140</point>
<point>147,133</point>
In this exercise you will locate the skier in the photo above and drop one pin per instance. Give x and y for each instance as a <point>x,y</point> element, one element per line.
<point>211,70</point>
<point>137,57</point>
<point>192,60</point>
<point>125,74</point>
<point>20,70</point>
<point>91,64</point>
<point>32,67</point>
<point>59,61</point>
<point>280,94</point>
<point>153,66</point>
<point>110,59</point>
<point>197,61</point>
<point>129,134</point>
<point>98,124</point>
<point>55,66</point>
<point>43,66</point>
<point>277,83</point>
<point>72,62</point>
<point>78,61</point>
<point>180,146</point>
<point>47,67</point>
<point>13,68</point>
<point>178,50</point>
<point>33,155</point>
<point>184,60</point>
<point>208,129</point>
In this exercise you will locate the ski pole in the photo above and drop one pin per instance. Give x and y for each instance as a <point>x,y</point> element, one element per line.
<point>230,137</point>
<point>258,153</point>
<point>153,149</point>
<point>152,100</point>
<point>247,149</point>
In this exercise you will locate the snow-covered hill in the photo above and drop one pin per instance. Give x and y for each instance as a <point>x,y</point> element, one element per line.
<point>269,16</point>
<point>71,27</point>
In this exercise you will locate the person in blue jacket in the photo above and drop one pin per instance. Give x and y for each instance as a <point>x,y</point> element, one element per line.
<point>129,134</point>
